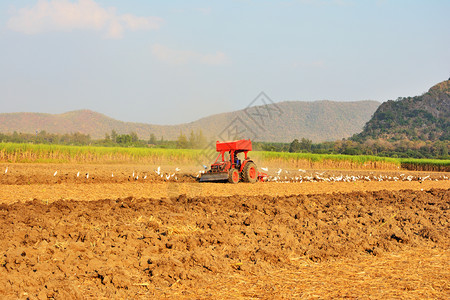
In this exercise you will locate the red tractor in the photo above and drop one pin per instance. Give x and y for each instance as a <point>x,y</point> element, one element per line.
<point>233,170</point>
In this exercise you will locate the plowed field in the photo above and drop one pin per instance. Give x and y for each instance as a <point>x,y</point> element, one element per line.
<point>382,235</point>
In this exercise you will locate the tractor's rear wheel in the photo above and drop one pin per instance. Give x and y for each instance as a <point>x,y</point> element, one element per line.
<point>250,172</point>
<point>233,176</point>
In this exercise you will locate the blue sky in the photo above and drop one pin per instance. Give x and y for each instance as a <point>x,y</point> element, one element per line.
<point>168,62</point>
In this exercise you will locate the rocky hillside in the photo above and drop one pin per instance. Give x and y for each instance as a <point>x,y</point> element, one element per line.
<point>276,122</point>
<point>425,117</point>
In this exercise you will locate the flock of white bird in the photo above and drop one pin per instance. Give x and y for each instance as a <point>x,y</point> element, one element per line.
<point>134,175</point>
<point>285,176</point>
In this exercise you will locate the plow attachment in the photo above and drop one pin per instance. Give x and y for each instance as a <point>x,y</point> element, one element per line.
<point>212,177</point>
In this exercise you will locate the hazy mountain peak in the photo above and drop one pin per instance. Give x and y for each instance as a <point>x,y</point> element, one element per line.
<point>319,121</point>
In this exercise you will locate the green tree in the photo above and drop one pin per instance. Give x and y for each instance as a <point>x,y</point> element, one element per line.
<point>134,137</point>
<point>294,146</point>
<point>114,136</point>
<point>192,140</point>
<point>305,144</point>
<point>152,139</point>
<point>182,141</point>
<point>123,139</point>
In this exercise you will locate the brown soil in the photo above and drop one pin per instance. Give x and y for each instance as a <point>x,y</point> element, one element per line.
<point>26,174</point>
<point>26,182</point>
<point>192,240</point>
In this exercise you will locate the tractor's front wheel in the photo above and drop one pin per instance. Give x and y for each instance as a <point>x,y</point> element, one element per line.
<point>250,172</point>
<point>233,176</point>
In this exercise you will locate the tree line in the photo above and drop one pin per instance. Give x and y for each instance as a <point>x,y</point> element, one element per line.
<point>196,140</point>
<point>378,147</point>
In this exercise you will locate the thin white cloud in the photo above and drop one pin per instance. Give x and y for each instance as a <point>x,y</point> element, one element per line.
<point>63,15</point>
<point>179,57</point>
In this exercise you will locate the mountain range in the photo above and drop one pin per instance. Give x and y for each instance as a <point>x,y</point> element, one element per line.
<point>275,122</point>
